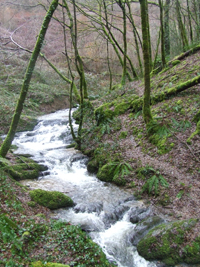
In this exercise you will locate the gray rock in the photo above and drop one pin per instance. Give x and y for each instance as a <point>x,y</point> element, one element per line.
<point>143,227</point>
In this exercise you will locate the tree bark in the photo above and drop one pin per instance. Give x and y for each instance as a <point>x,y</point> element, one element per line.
<point>181,26</point>
<point>19,107</point>
<point>162,34</point>
<point>146,55</point>
<point>166,27</point>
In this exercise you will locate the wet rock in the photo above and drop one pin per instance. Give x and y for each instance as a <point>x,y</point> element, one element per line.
<point>89,208</point>
<point>93,166</point>
<point>143,227</point>
<point>79,157</point>
<point>167,242</point>
<point>139,213</point>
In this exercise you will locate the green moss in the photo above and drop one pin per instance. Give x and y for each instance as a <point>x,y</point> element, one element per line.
<point>197,131</point>
<point>103,113</point>
<point>175,62</point>
<point>93,165</point>
<point>121,108</point>
<point>51,199</point>
<point>161,143</point>
<point>25,171</point>
<point>32,204</point>
<point>123,135</point>
<point>197,117</point>
<point>119,180</point>
<point>105,174</point>
<point>166,242</point>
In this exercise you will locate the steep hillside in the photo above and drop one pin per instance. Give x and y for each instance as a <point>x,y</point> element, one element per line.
<point>118,135</point>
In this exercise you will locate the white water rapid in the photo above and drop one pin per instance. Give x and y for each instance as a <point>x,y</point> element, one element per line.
<point>101,209</point>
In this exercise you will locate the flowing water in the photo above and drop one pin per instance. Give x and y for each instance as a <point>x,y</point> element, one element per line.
<point>101,209</point>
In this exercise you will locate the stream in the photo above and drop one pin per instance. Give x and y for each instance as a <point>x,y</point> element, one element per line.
<point>101,209</point>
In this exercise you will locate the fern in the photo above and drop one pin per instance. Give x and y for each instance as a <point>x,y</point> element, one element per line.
<point>180,125</point>
<point>152,184</point>
<point>159,128</point>
<point>119,170</point>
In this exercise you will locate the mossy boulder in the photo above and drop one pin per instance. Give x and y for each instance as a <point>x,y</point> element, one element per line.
<point>168,243</point>
<point>49,264</point>
<point>23,171</point>
<point>92,166</point>
<point>51,199</point>
<point>105,173</point>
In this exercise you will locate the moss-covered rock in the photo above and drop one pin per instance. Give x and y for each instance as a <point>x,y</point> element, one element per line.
<point>167,242</point>
<point>23,171</point>
<point>51,199</point>
<point>92,166</point>
<point>105,173</point>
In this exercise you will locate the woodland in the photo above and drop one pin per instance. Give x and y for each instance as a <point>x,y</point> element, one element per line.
<point>132,70</point>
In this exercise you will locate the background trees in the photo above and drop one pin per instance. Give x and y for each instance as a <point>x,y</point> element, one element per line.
<point>102,36</point>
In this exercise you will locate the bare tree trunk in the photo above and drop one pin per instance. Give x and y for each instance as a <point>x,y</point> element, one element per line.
<point>27,78</point>
<point>181,26</point>
<point>162,34</point>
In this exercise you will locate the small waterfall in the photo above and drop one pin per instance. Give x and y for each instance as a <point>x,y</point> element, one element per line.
<point>101,209</point>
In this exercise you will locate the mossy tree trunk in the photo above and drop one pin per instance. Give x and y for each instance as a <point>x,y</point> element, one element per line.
<point>146,55</point>
<point>19,107</point>
<point>166,28</point>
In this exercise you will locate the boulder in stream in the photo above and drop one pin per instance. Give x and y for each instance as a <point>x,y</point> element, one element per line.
<point>171,243</point>
<point>51,199</point>
<point>143,227</point>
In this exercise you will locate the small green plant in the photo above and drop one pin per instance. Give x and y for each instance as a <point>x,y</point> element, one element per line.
<point>105,127</point>
<point>119,170</point>
<point>160,128</point>
<point>180,125</point>
<point>152,184</point>
<point>154,180</point>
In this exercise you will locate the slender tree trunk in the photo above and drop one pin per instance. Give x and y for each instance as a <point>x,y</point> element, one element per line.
<point>190,22</point>
<point>166,28</point>
<point>78,59</point>
<point>19,107</point>
<point>146,55</point>
<point>181,26</point>
<point>162,34</point>
<point>123,8</point>
<point>136,37</point>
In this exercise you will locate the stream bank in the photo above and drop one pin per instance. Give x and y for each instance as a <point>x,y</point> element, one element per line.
<point>117,221</point>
